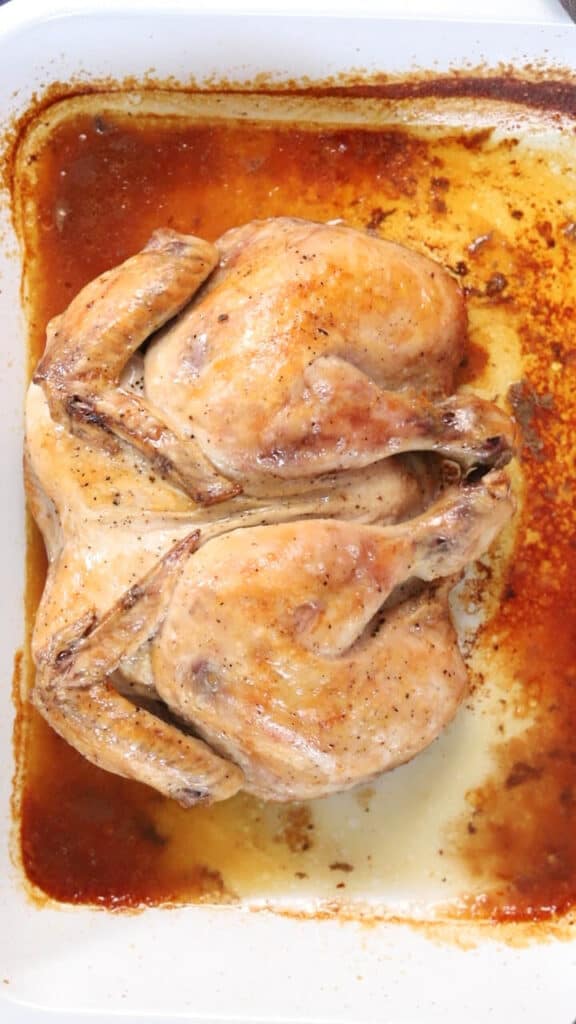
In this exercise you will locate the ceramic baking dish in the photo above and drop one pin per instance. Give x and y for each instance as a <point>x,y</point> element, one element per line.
<point>231,963</point>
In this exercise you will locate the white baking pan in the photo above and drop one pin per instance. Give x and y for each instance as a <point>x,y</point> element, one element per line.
<point>230,963</point>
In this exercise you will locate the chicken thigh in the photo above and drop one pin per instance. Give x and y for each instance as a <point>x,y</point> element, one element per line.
<point>253,526</point>
<point>328,686</point>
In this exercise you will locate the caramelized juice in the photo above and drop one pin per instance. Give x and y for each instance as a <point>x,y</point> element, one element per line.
<point>489,813</point>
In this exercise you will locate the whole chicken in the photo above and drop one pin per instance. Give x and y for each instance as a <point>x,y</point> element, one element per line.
<point>257,488</point>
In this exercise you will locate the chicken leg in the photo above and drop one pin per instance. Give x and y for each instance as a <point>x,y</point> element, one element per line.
<point>315,347</point>
<point>319,692</point>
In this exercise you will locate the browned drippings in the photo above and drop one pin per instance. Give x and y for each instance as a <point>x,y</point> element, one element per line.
<point>522,824</point>
<point>478,206</point>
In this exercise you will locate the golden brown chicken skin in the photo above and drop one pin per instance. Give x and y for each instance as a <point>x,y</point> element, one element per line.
<point>278,645</point>
<point>314,348</point>
<point>253,527</point>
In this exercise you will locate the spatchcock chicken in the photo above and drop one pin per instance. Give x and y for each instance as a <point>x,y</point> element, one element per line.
<point>257,488</point>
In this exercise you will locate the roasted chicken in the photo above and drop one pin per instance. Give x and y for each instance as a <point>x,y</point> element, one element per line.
<point>254,520</point>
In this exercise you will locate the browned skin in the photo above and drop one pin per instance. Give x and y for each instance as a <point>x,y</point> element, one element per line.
<point>315,348</point>
<point>89,345</point>
<point>306,369</point>
<point>338,401</point>
<point>312,697</point>
<point>72,691</point>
